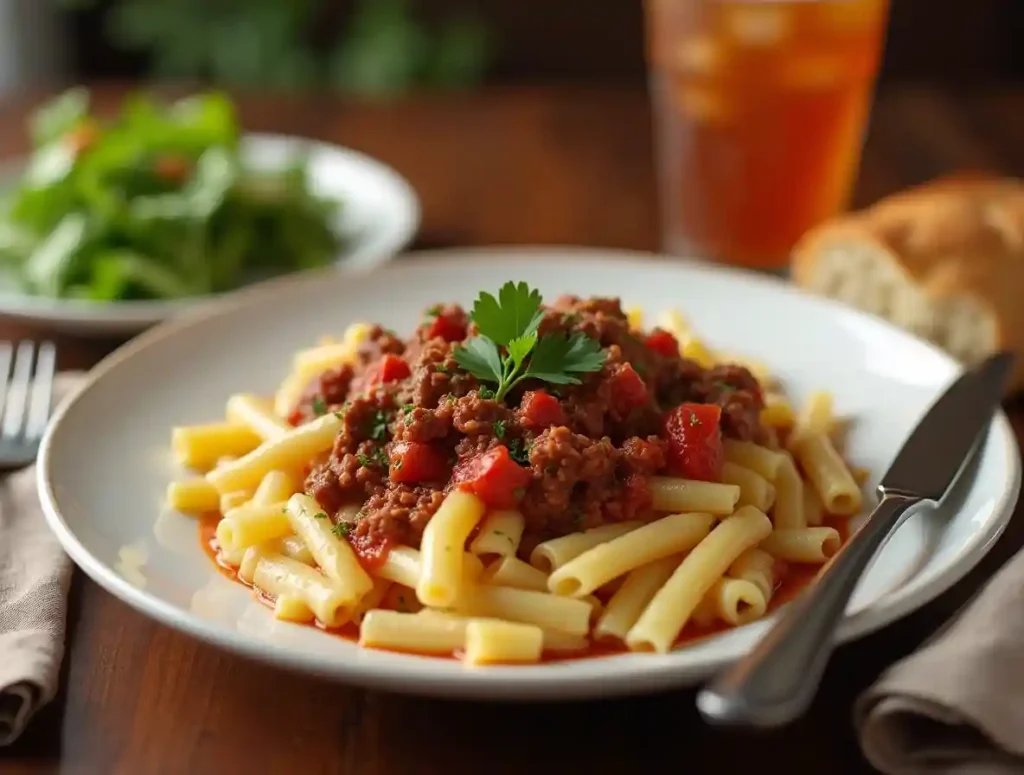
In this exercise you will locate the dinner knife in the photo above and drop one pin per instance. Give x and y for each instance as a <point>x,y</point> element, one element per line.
<point>777,681</point>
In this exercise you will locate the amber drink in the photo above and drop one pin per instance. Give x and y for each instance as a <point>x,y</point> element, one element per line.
<point>760,109</point>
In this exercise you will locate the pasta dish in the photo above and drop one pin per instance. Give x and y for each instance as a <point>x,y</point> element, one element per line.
<point>520,482</point>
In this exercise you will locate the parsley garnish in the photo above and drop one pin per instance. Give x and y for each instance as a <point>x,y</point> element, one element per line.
<point>433,312</point>
<point>508,336</point>
<point>519,452</point>
<point>342,529</point>
<point>499,428</point>
<point>440,367</point>
<point>319,515</point>
<point>407,408</point>
<point>379,425</point>
<point>485,392</point>
<point>319,406</point>
<point>364,461</point>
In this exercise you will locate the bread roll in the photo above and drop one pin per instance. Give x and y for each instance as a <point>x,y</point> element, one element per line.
<point>944,260</point>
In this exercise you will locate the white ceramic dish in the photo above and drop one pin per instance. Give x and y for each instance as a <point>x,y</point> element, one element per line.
<point>379,218</point>
<point>105,462</point>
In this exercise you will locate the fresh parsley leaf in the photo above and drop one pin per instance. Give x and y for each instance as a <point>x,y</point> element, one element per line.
<point>364,461</point>
<point>556,358</point>
<point>379,425</point>
<point>319,515</point>
<point>342,529</point>
<point>319,406</point>
<point>479,356</point>
<point>515,313</point>
<point>433,312</point>
<point>485,392</point>
<point>499,428</point>
<point>508,348</point>
<point>519,452</point>
<point>407,408</point>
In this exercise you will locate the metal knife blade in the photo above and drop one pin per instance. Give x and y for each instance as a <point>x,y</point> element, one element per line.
<point>940,445</point>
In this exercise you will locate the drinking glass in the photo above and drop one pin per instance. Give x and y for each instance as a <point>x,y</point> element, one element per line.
<point>760,107</point>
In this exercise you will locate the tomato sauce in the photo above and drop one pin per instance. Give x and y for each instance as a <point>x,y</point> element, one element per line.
<point>795,579</point>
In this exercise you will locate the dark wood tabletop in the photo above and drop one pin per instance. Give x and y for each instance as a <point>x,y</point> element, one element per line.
<point>566,166</point>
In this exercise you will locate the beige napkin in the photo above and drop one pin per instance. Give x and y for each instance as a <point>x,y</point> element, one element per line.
<point>956,707</point>
<point>34,577</point>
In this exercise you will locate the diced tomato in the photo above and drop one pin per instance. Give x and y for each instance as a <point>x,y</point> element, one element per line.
<point>413,461</point>
<point>371,553</point>
<point>662,342</point>
<point>295,418</point>
<point>629,390</point>
<point>448,327</point>
<point>390,368</point>
<point>172,168</point>
<point>539,409</point>
<point>695,441</point>
<point>494,477</point>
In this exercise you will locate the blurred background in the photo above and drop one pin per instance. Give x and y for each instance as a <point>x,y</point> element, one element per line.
<point>387,47</point>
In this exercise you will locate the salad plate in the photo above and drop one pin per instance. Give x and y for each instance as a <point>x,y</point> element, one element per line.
<point>153,558</point>
<point>109,229</point>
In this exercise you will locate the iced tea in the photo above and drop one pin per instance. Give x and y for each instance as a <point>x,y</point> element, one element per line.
<point>760,107</point>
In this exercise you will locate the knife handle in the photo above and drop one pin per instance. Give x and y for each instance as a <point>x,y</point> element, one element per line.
<point>776,682</point>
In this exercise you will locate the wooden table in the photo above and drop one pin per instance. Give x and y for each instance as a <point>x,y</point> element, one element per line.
<point>525,166</point>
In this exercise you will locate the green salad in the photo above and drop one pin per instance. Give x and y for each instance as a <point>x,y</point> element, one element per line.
<point>157,203</point>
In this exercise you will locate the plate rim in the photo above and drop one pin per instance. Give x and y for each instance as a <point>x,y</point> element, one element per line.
<point>126,315</point>
<point>500,683</point>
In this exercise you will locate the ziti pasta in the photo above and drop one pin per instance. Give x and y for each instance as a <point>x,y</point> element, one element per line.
<point>518,482</point>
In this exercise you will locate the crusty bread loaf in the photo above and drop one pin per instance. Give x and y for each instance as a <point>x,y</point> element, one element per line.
<point>944,260</point>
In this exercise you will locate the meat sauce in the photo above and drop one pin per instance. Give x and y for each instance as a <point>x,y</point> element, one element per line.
<point>569,457</point>
<point>793,579</point>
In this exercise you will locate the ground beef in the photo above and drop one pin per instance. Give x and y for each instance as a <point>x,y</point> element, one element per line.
<point>593,470</point>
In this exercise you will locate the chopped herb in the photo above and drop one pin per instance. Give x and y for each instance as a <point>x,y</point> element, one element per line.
<point>722,385</point>
<point>364,461</point>
<point>398,464</point>
<point>342,529</point>
<point>389,332</point>
<point>571,318</point>
<point>508,336</point>
<point>433,312</point>
<point>485,392</point>
<point>319,515</point>
<point>449,398</point>
<point>499,532</point>
<point>407,408</point>
<point>442,368</point>
<point>379,425</point>
<point>319,406</point>
<point>499,428</point>
<point>340,415</point>
<point>519,452</point>
<point>380,457</point>
<point>694,420</point>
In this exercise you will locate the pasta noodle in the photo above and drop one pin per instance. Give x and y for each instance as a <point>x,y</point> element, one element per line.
<point>193,496</point>
<point>654,541</point>
<point>553,612</point>
<point>757,567</point>
<point>685,495</point>
<point>762,461</point>
<point>200,446</point>
<point>788,511</point>
<point>828,473</point>
<point>663,618</point>
<point>755,490</point>
<point>441,573</point>
<point>499,534</point>
<point>733,601</point>
<point>490,642</point>
<point>336,559</point>
<point>557,552</point>
<point>810,544</point>
<point>629,600</point>
<point>257,415</point>
<point>513,572</point>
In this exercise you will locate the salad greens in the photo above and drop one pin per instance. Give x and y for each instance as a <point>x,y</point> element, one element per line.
<point>156,204</point>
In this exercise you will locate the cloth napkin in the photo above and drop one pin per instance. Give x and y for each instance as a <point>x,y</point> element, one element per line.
<point>956,707</point>
<point>34,578</point>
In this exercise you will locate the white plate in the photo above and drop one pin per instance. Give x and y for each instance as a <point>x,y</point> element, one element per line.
<point>105,462</point>
<point>379,218</point>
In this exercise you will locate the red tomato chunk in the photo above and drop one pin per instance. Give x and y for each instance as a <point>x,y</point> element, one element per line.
<point>391,368</point>
<point>494,477</point>
<point>629,391</point>
<point>695,441</point>
<point>539,409</point>
<point>663,343</point>
<point>412,461</point>
<point>371,553</point>
<point>448,327</point>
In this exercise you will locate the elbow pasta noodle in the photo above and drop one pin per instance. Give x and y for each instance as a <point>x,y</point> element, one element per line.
<point>810,544</point>
<point>662,620</point>
<point>829,474</point>
<point>256,414</point>
<point>654,541</point>
<point>482,584</point>
<point>553,554</point>
<point>499,534</point>
<point>755,490</point>
<point>686,495</point>
<point>788,511</point>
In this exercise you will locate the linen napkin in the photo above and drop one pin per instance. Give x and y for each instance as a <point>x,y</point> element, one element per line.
<point>34,578</point>
<point>956,707</point>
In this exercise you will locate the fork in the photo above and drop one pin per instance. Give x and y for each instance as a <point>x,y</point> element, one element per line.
<point>25,393</point>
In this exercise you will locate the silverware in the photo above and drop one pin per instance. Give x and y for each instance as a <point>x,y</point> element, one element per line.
<point>776,682</point>
<point>25,393</point>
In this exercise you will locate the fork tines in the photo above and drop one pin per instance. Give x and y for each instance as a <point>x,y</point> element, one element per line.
<point>26,390</point>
